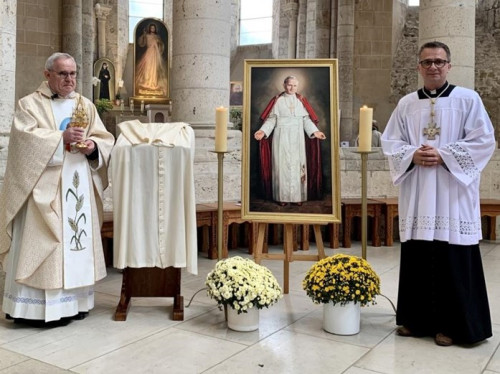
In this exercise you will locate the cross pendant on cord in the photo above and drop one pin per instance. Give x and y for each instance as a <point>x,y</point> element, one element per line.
<point>432,131</point>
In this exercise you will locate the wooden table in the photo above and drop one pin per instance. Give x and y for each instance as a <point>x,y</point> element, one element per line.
<point>491,209</point>
<point>231,214</point>
<point>352,208</point>
<point>390,209</point>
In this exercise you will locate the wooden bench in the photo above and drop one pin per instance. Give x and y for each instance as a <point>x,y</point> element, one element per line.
<point>490,208</point>
<point>352,208</point>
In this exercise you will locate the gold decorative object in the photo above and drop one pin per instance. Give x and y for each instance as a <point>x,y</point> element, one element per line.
<point>79,119</point>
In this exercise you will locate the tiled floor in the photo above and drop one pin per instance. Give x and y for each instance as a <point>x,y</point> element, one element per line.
<point>290,338</point>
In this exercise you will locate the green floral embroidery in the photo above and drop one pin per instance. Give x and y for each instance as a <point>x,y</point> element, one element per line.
<point>74,222</point>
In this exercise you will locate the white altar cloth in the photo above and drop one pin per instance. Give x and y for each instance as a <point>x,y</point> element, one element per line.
<point>154,208</point>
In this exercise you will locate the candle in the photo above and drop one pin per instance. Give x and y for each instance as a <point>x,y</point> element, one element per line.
<point>122,106</point>
<point>365,129</point>
<point>132,105</point>
<point>221,119</point>
<point>142,106</point>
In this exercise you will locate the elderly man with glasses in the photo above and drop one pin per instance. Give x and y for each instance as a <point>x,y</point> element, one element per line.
<point>438,140</point>
<point>51,201</point>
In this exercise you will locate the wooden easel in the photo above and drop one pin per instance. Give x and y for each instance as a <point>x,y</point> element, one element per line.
<point>287,256</point>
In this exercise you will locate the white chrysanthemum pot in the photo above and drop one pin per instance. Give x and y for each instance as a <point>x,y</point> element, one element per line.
<point>244,321</point>
<point>342,319</point>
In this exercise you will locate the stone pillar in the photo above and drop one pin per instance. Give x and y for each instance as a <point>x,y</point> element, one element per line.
<point>200,83</point>
<point>345,53</point>
<point>291,10</point>
<point>453,23</point>
<point>101,13</point>
<point>72,34</point>
<point>88,33</point>
<point>8,13</point>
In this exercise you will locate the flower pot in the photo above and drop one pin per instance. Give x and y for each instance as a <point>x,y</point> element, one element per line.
<point>342,319</point>
<point>244,321</point>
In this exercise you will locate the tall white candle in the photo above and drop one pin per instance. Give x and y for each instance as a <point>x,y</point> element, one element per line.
<point>221,120</point>
<point>365,129</point>
<point>142,106</point>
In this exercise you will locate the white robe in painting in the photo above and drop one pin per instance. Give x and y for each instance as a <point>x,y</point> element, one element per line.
<point>288,120</point>
<point>440,203</point>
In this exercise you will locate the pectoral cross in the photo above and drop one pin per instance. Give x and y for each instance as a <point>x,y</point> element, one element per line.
<point>432,131</point>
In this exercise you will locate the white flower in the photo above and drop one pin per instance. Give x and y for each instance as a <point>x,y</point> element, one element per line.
<point>95,81</point>
<point>242,284</point>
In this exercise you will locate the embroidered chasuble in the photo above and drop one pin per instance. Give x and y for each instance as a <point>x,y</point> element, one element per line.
<point>51,262</point>
<point>465,140</point>
<point>154,205</point>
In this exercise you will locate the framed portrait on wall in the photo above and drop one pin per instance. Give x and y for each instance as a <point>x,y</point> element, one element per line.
<point>290,160</point>
<point>151,73</point>
<point>236,93</point>
<point>104,87</point>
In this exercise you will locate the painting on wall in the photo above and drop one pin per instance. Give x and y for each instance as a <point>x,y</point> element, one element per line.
<point>104,85</point>
<point>236,93</point>
<point>151,73</point>
<point>291,161</point>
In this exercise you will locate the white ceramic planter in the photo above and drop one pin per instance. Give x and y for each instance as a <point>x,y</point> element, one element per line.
<point>342,320</point>
<point>244,321</point>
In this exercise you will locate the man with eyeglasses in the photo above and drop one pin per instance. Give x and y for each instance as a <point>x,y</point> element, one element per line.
<point>51,202</point>
<point>438,140</point>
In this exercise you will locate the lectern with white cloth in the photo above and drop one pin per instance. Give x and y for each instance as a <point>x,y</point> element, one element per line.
<point>154,210</point>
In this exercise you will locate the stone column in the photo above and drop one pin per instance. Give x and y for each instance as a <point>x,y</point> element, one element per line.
<point>8,13</point>
<point>101,13</point>
<point>72,34</point>
<point>291,10</point>
<point>200,83</point>
<point>88,33</point>
<point>345,53</point>
<point>453,23</point>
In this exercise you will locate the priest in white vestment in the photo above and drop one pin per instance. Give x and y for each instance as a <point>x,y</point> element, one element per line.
<point>438,140</point>
<point>288,117</point>
<point>51,201</point>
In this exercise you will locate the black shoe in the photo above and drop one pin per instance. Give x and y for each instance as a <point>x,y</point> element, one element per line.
<point>80,316</point>
<point>40,323</point>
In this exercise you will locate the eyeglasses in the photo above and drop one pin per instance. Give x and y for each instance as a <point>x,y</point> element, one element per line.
<point>426,64</point>
<point>66,74</point>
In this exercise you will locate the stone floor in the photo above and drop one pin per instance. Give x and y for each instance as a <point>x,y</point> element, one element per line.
<point>290,338</point>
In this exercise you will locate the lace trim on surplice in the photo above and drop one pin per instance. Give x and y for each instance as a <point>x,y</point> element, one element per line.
<point>439,223</point>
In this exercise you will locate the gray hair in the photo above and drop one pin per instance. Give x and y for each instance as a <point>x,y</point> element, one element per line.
<point>289,78</point>
<point>49,64</point>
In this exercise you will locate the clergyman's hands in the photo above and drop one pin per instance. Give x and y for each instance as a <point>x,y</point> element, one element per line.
<point>73,135</point>
<point>427,156</point>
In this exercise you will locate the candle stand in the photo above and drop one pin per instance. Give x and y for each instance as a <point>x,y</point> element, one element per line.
<point>364,204</point>
<point>364,209</point>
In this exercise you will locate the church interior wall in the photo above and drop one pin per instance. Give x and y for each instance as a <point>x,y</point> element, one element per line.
<point>38,35</point>
<point>384,64</point>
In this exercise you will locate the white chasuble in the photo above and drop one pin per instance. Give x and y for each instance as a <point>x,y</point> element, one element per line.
<point>154,206</point>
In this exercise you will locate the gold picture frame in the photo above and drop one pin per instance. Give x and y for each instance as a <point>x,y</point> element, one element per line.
<point>318,84</point>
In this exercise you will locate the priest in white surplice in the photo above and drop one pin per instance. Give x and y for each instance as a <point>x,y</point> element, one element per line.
<point>438,140</point>
<point>51,201</point>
